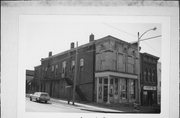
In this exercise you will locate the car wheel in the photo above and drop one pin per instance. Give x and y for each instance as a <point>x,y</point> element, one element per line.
<point>45,101</point>
<point>37,100</point>
<point>30,99</point>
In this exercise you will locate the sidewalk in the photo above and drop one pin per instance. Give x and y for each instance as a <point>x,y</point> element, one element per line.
<point>88,107</point>
<point>110,108</point>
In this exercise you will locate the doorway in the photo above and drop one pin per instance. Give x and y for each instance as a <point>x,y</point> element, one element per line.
<point>105,93</point>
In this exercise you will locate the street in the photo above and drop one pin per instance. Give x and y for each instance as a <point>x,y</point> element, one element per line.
<point>32,106</point>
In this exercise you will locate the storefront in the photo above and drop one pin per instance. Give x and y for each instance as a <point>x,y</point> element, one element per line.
<point>149,95</point>
<point>112,87</point>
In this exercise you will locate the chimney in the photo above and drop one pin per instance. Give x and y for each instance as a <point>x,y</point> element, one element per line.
<point>50,54</point>
<point>72,45</point>
<point>91,38</point>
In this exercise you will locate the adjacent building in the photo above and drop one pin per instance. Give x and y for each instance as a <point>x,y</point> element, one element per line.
<point>29,80</point>
<point>107,72</point>
<point>159,83</point>
<point>148,81</point>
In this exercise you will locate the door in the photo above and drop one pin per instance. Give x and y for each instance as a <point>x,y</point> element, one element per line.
<point>105,93</point>
<point>150,99</point>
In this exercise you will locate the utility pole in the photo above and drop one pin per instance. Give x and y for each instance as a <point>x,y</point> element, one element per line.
<point>75,75</point>
<point>139,63</point>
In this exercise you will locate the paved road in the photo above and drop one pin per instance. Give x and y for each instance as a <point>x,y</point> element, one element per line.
<point>52,107</point>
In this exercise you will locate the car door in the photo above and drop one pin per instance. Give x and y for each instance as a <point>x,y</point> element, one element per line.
<point>34,96</point>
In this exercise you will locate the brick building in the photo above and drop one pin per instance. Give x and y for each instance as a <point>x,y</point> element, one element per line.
<point>148,79</point>
<point>107,72</point>
<point>56,73</point>
<point>29,80</point>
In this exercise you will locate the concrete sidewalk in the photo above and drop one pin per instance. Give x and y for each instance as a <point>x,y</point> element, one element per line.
<point>88,107</point>
<point>110,108</point>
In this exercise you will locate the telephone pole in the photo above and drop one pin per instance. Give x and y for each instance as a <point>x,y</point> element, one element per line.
<point>75,75</point>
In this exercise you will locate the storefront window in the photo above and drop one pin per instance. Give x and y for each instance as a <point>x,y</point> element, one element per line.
<point>111,81</point>
<point>123,91</point>
<point>132,87</point>
<point>100,92</point>
<point>116,87</point>
<point>105,81</point>
<point>100,80</point>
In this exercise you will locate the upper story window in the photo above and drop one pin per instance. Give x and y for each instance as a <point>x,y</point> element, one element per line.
<point>81,62</point>
<point>144,75</point>
<point>72,65</point>
<point>46,69</point>
<point>52,68</point>
<point>56,66</point>
<point>63,66</point>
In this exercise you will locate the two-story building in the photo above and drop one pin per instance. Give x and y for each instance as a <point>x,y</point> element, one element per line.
<point>116,71</point>
<point>148,79</point>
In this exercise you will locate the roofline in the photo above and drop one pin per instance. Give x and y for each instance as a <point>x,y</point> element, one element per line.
<point>70,50</point>
<point>90,43</point>
<point>150,55</point>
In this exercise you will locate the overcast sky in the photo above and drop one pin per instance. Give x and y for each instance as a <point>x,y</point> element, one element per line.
<point>40,34</point>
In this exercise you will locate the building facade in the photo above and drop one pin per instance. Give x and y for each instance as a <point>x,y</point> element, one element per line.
<point>29,80</point>
<point>56,73</point>
<point>148,79</point>
<point>116,71</point>
<point>107,72</point>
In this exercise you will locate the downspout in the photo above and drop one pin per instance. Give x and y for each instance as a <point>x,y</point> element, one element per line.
<point>94,65</point>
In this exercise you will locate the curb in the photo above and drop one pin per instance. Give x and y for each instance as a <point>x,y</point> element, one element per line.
<point>89,107</point>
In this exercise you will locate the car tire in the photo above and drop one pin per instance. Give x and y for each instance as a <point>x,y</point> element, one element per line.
<point>30,99</point>
<point>45,101</point>
<point>37,100</point>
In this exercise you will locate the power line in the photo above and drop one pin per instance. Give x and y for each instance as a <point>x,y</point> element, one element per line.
<point>132,35</point>
<point>129,34</point>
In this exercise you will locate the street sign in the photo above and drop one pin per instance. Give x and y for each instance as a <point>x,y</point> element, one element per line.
<point>149,87</point>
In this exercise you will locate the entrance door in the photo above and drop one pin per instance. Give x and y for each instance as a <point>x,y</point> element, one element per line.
<point>150,99</point>
<point>105,93</point>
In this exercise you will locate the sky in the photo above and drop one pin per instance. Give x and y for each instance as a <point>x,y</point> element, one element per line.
<point>40,34</point>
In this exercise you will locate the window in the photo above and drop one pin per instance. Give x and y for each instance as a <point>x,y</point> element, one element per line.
<point>145,75</point>
<point>56,66</point>
<point>111,81</point>
<point>105,81</point>
<point>153,75</point>
<point>130,64</point>
<point>72,65</point>
<point>148,74</point>
<point>121,62</point>
<point>81,62</point>
<point>116,86</point>
<point>123,89</point>
<point>100,80</point>
<point>132,89</point>
<point>63,66</point>
<point>52,68</point>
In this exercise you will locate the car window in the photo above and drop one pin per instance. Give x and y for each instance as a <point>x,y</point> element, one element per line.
<point>44,94</point>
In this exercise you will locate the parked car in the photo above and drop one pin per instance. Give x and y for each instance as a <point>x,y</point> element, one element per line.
<point>39,97</point>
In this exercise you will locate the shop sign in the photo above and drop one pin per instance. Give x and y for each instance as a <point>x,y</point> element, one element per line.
<point>149,87</point>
